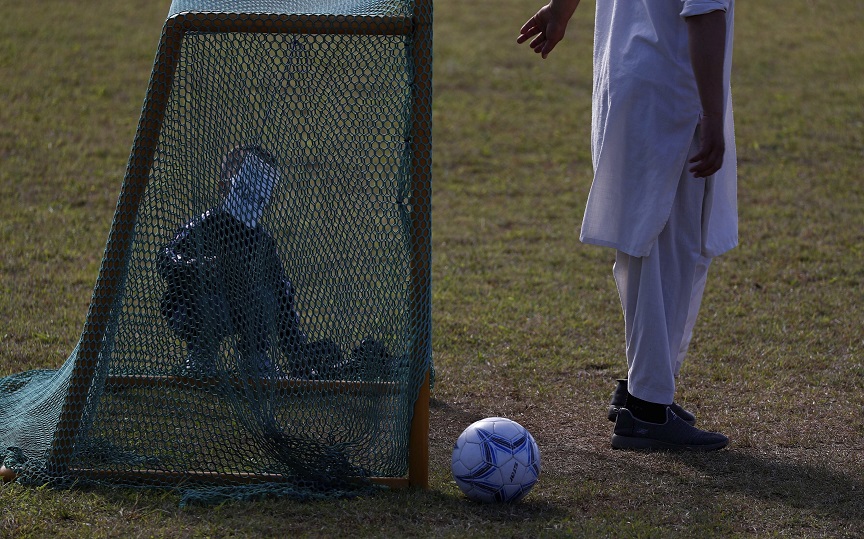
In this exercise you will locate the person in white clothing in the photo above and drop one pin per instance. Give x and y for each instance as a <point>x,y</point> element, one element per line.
<point>664,189</point>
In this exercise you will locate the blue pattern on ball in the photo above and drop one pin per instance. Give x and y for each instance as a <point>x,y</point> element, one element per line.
<point>508,466</point>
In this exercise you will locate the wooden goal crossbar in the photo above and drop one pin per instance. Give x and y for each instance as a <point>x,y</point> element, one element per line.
<point>119,243</point>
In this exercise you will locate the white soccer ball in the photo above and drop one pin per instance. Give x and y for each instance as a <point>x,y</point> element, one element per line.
<point>495,460</point>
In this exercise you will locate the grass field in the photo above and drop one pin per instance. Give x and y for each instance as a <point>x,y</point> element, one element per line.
<point>526,319</point>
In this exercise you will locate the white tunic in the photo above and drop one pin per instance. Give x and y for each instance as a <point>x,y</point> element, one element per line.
<point>646,109</point>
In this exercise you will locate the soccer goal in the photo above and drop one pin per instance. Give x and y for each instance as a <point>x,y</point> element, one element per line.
<point>261,318</point>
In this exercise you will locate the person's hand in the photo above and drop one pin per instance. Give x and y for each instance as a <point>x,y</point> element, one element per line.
<point>712,146</point>
<point>547,26</point>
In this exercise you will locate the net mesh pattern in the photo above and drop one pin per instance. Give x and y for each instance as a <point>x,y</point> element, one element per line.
<point>261,319</point>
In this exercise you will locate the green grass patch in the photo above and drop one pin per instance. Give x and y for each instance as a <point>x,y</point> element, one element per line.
<point>526,319</point>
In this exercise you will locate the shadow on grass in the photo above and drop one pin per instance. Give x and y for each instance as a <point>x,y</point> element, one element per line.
<point>398,513</point>
<point>442,511</point>
<point>822,488</point>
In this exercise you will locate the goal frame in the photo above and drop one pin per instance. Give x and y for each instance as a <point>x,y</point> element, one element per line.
<point>120,237</point>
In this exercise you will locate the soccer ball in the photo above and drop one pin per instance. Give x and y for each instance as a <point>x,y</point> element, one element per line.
<point>495,460</point>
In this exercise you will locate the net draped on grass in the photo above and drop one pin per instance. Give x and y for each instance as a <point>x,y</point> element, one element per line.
<point>261,320</point>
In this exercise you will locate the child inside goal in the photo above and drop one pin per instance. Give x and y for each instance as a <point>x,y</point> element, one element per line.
<point>225,278</point>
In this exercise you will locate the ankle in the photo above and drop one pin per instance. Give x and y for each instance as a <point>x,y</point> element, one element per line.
<point>643,410</point>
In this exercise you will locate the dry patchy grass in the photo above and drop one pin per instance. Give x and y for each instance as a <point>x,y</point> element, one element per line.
<point>526,320</point>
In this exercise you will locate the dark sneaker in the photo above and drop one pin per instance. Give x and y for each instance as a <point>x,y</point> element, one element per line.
<point>264,368</point>
<point>373,360</point>
<point>673,435</point>
<point>619,400</point>
<point>320,360</point>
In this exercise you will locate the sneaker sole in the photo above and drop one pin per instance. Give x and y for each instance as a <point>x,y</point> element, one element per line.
<point>632,442</point>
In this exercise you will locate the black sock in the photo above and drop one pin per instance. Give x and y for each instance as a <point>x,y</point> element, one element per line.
<point>651,412</point>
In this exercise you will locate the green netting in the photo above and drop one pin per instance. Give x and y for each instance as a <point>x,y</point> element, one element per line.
<point>261,321</point>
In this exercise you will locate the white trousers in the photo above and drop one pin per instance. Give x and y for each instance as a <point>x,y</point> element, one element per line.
<point>661,294</point>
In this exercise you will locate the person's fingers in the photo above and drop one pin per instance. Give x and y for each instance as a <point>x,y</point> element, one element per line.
<point>538,42</point>
<point>700,163</point>
<point>706,164</point>
<point>543,45</point>
<point>701,169</point>
<point>698,157</point>
<point>530,29</point>
<point>526,34</point>
<point>709,159</point>
<point>540,29</point>
<point>553,33</point>
<point>529,25</point>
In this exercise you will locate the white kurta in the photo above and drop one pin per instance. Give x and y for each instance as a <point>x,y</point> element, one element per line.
<point>646,109</point>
